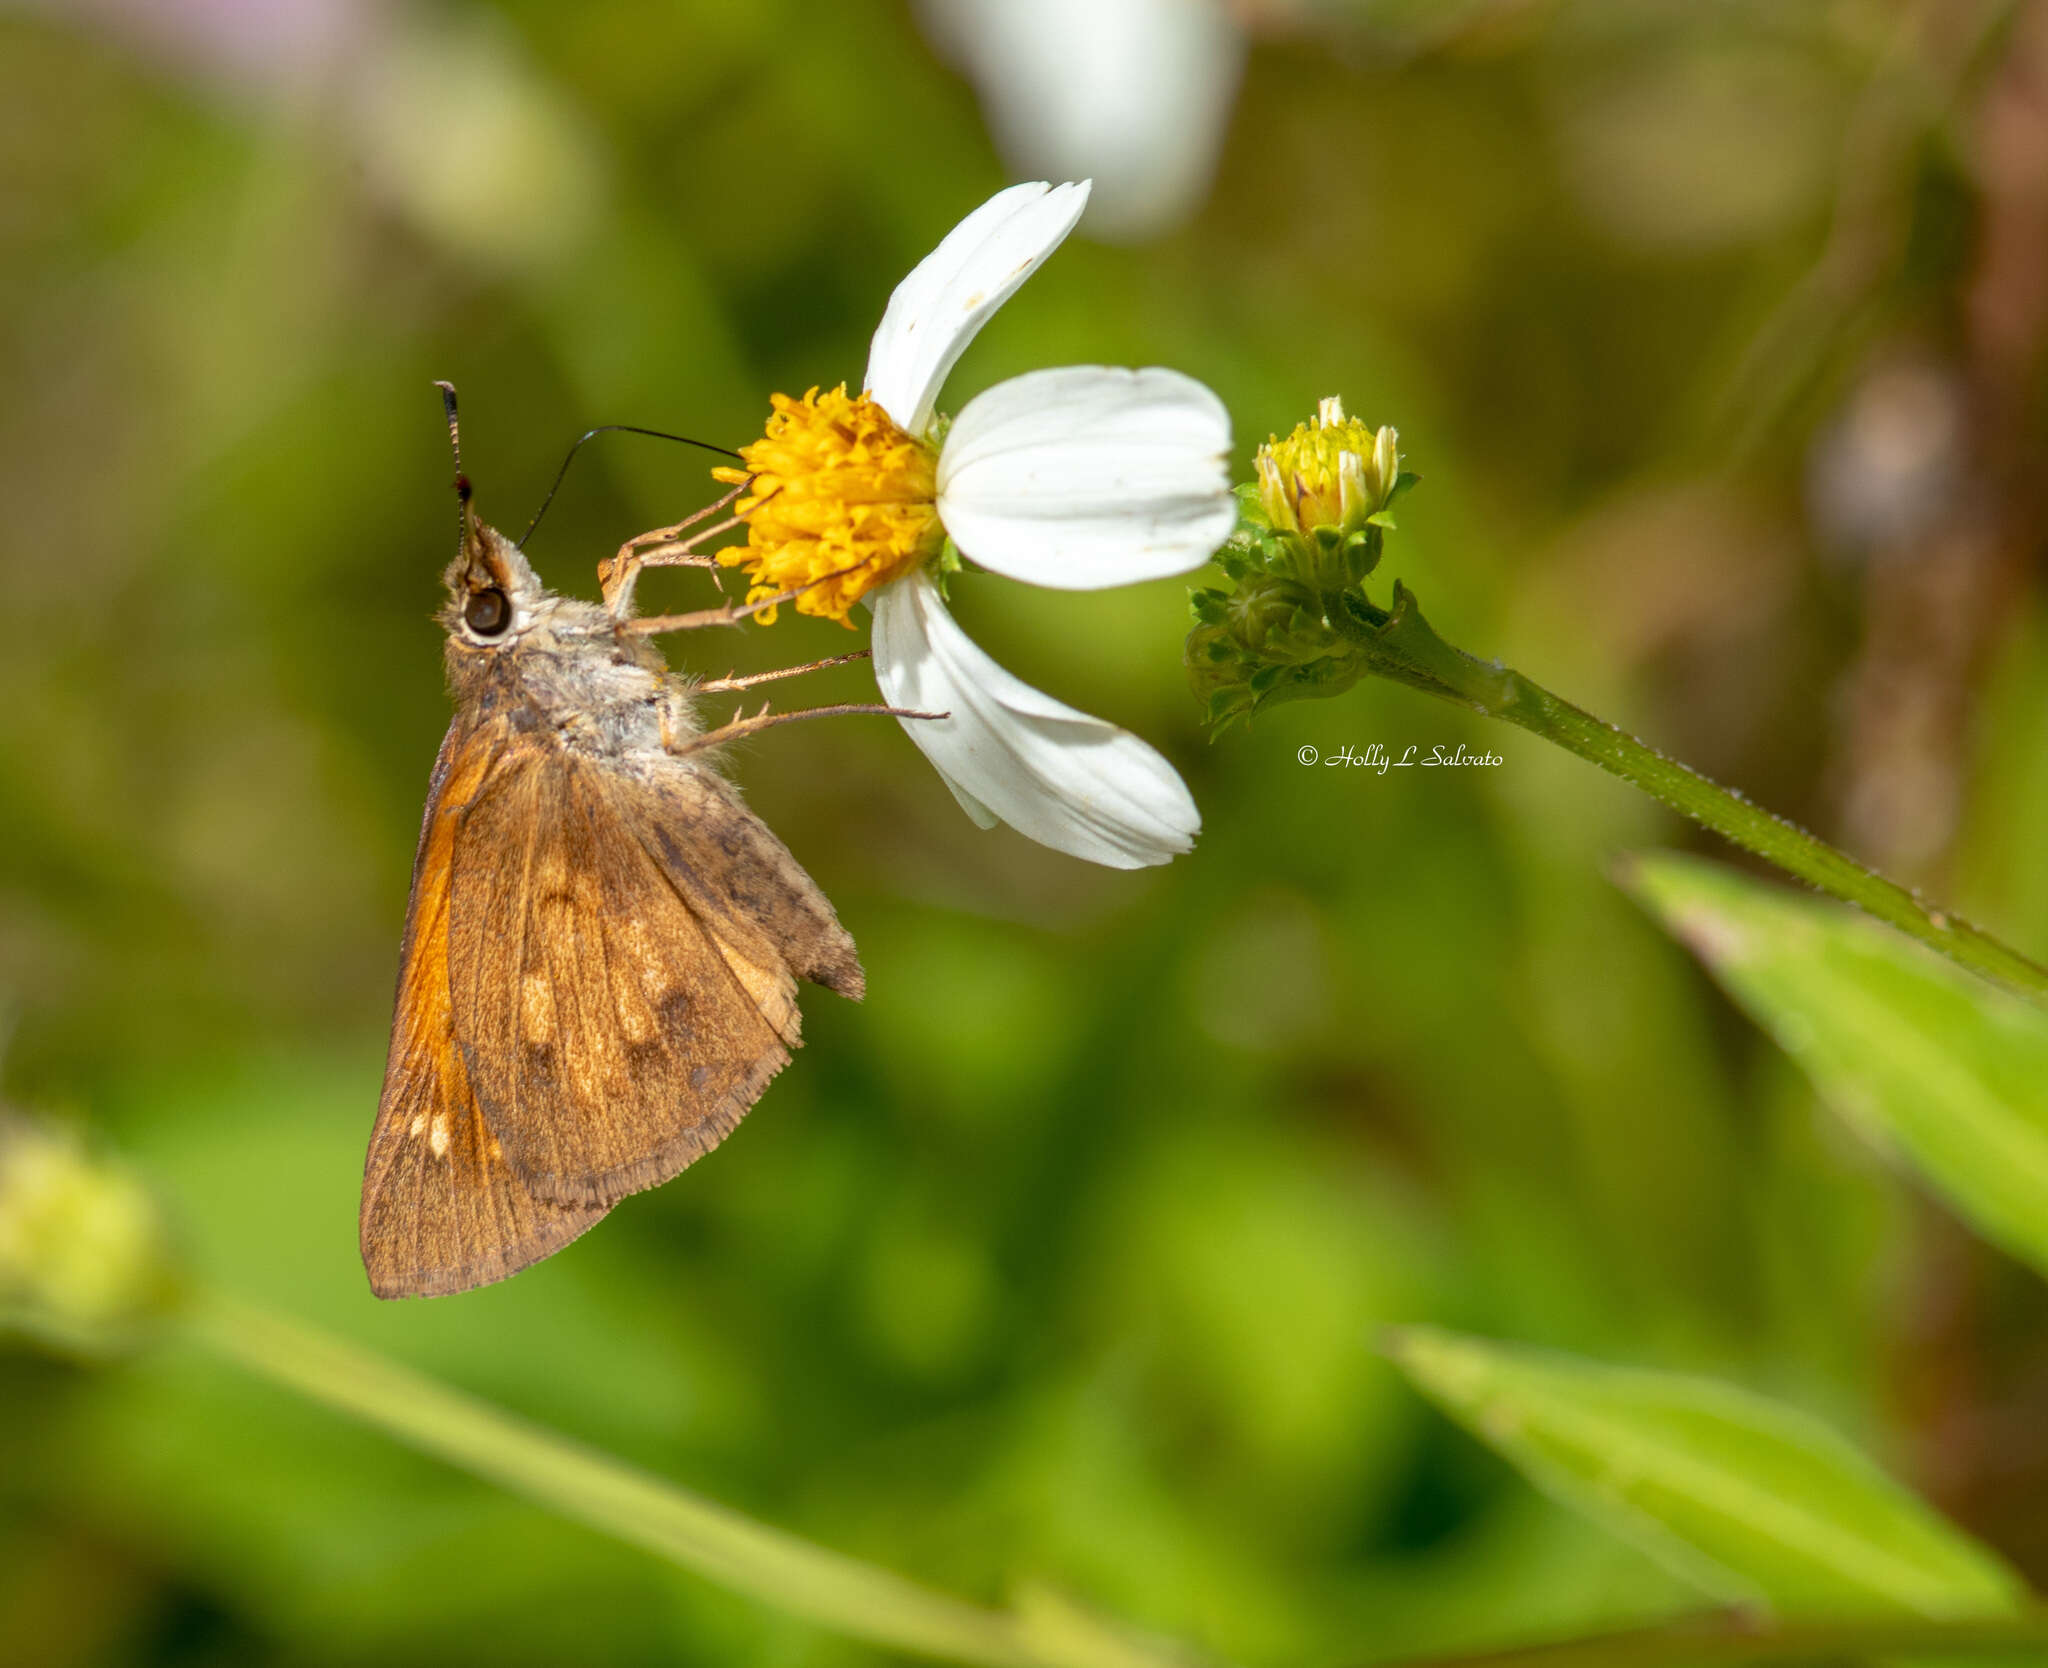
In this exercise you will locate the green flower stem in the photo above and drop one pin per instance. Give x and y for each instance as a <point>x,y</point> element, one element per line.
<point>835,1592</point>
<point>1401,645</point>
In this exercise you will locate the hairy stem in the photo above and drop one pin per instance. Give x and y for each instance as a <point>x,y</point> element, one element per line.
<point>1402,645</point>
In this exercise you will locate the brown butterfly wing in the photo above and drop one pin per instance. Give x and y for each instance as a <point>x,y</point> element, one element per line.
<point>739,878</point>
<point>443,1210</point>
<point>621,966</point>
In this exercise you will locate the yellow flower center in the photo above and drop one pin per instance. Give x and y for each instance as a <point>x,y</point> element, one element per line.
<point>842,500</point>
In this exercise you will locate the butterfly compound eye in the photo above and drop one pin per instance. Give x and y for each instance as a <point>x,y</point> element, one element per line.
<point>487,613</point>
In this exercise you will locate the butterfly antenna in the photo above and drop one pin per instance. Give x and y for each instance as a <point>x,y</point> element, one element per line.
<point>455,445</point>
<point>604,428</point>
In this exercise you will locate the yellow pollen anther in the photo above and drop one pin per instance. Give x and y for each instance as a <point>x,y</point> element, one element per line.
<point>842,500</point>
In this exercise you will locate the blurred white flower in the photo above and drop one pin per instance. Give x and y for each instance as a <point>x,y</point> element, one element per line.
<point>1077,479</point>
<point>1133,93</point>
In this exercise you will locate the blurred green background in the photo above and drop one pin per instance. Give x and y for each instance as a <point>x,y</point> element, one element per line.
<point>1715,331</point>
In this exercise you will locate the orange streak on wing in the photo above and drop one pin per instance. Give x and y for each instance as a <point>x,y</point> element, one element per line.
<point>425,1005</point>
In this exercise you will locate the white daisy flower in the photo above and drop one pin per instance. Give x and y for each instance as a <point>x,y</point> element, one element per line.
<point>1078,479</point>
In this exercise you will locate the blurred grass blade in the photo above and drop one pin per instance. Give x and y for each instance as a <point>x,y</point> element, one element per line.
<point>1934,1067</point>
<point>1736,1639</point>
<point>1749,1500</point>
<point>722,1545</point>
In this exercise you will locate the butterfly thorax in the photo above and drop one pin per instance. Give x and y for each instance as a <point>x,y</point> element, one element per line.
<point>574,675</point>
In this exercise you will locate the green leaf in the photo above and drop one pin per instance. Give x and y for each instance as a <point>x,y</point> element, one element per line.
<point>1749,1500</point>
<point>1940,1070</point>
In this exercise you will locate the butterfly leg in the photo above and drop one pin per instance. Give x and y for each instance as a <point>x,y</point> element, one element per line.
<point>740,727</point>
<point>720,686</point>
<point>729,614</point>
<point>664,547</point>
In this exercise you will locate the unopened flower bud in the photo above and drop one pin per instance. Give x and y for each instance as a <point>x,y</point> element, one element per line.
<point>1322,489</point>
<point>1310,529</point>
<point>1332,471</point>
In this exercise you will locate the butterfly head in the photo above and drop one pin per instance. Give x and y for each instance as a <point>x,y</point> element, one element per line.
<point>494,597</point>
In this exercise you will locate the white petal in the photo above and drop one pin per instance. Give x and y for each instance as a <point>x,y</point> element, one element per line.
<point>1071,782</point>
<point>1086,477</point>
<point>955,290</point>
